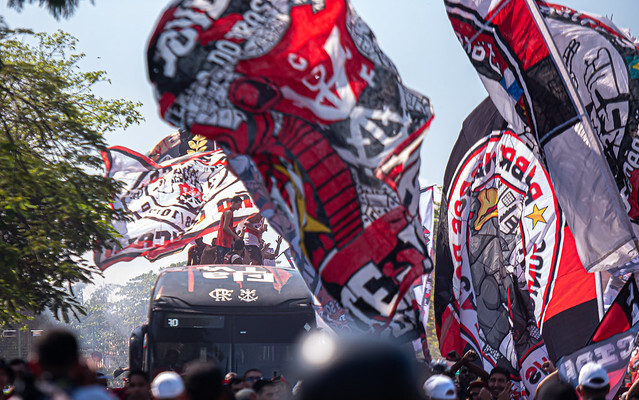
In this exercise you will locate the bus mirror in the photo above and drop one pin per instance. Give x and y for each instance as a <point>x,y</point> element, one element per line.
<point>136,348</point>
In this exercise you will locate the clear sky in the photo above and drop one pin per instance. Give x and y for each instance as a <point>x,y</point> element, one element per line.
<point>415,34</point>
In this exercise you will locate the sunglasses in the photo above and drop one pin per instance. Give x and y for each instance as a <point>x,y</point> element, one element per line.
<point>254,378</point>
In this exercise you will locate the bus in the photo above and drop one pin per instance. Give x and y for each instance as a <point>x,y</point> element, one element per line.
<point>238,316</point>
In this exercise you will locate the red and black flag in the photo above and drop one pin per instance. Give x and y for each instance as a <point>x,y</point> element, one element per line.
<point>622,314</point>
<point>508,282</point>
<point>321,130</point>
<point>611,344</point>
<point>571,79</point>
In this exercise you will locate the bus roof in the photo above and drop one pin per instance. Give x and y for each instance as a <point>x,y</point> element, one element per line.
<point>240,287</point>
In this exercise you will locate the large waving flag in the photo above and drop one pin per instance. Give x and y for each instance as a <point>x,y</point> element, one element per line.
<point>508,282</point>
<point>321,130</point>
<point>570,78</point>
<point>170,204</point>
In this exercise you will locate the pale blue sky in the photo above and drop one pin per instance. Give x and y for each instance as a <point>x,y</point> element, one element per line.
<point>415,34</point>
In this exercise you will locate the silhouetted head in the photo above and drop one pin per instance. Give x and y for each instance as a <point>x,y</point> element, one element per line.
<point>372,371</point>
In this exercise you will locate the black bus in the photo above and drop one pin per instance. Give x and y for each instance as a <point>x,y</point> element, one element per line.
<point>239,316</point>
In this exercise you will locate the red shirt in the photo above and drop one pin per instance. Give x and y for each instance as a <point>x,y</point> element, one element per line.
<point>223,238</point>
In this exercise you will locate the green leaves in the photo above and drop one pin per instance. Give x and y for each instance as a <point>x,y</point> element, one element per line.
<point>112,312</point>
<point>54,200</point>
<point>57,8</point>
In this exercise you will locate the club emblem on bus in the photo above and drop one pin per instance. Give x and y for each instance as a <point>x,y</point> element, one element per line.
<point>221,294</point>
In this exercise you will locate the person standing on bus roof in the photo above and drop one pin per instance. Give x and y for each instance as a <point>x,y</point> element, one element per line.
<point>238,255</point>
<point>225,234</point>
<point>269,255</point>
<point>253,236</point>
<point>195,252</point>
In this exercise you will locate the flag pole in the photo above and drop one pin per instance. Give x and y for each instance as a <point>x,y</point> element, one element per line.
<point>600,293</point>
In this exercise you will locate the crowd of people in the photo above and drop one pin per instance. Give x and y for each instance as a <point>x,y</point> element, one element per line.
<point>465,380</point>
<point>244,246</point>
<point>371,372</point>
<point>60,373</point>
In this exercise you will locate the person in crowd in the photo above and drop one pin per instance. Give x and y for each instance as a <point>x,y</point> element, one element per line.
<point>468,371</point>
<point>236,384</point>
<point>633,392</point>
<point>440,367</point>
<point>195,252</point>
<point>138,386</point>
<point>6,379</point>
<point>440,387</point>
<point>593,382</point>
<point>171,362</point>
<point>20,367</point>
<point>253,237</point>
<point>63,373</point>
<point>549,368</point>
<point>556,390</point>
<point>238,255</point>
<point>474,388</point>
<point>251,376</point>
<point>499,385</point>
<point>265,389</point>
<point>230,375</point>
<point>203,381</point>
<point>168,385</point>
<point>246,394</point>
<point>209,255</point>
<point>364,370</point>
<point>226,234</point>
<point>282,388</point>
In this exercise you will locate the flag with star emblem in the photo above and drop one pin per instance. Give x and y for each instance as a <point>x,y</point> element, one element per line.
<point>321,130</point>
<point>571,79</point>
<point>508,280</point>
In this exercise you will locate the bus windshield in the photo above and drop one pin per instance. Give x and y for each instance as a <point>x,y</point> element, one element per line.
<point>235,342</point>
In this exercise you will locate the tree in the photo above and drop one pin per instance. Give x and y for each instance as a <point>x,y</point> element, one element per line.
<point>431,332</point>
<point>112,312</point>
<point>57,8</point>
<point>133,303</point>
<point>54,199</point>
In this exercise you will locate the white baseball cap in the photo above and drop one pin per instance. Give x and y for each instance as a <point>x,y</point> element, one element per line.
<point>167,385</point>
<point>593,375</point>
<point>440,387</point>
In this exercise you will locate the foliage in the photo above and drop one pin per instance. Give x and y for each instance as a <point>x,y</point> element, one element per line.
<point>431,333</point>
<point>112,312</point>
<point>54,201</point>
<point>57,8</point>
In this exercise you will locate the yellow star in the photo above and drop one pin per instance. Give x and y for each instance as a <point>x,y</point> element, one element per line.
<point>305,221</point>
<point>537,215</point>
<point>636,66</point>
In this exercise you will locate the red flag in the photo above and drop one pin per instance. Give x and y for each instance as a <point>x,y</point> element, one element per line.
<point>320,129</point>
